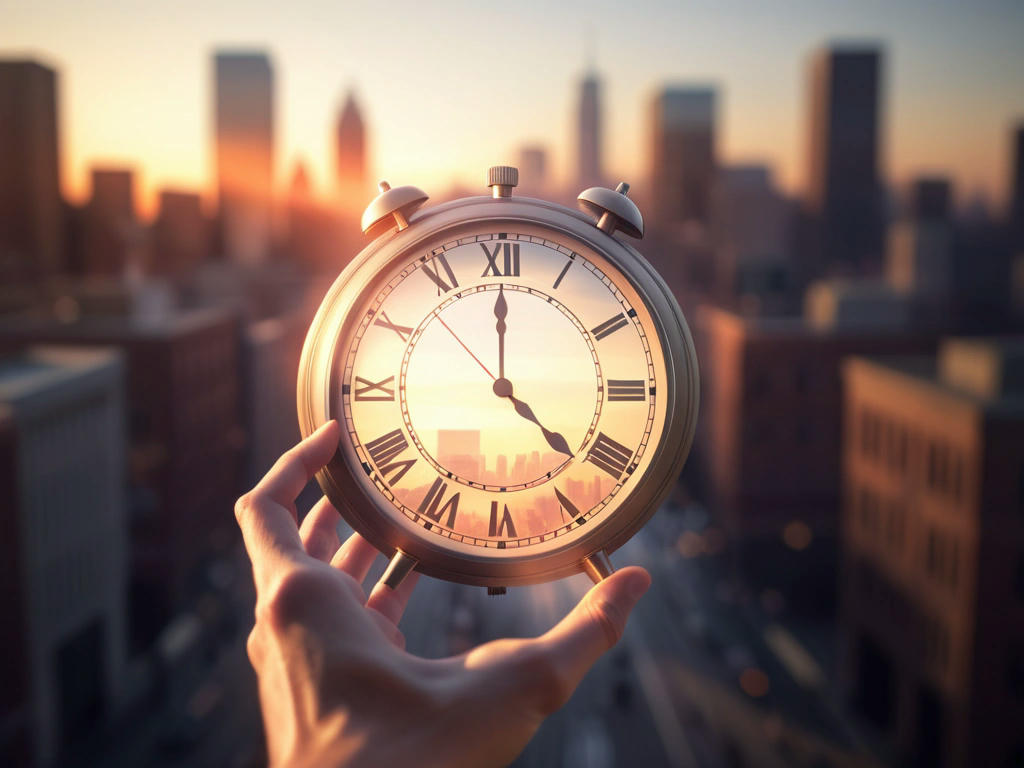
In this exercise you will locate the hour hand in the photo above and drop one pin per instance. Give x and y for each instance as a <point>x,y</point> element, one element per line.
<point>501,312</point>
<point>503,388</point>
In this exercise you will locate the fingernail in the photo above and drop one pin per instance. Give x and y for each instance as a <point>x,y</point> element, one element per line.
<point>638,585</point>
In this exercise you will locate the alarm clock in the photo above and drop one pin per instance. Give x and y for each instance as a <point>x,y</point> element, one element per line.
<point>516,386</point>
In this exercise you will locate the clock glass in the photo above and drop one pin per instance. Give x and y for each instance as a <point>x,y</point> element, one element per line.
<point>499,389</point>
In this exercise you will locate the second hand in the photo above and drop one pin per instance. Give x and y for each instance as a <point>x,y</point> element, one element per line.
<point>454,336</point>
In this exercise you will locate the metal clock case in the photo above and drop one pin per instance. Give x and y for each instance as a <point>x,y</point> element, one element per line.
<point>409,350</point>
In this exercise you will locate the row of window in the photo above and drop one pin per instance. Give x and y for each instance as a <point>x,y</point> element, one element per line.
<point>895,447</point>
<point>884,520</point>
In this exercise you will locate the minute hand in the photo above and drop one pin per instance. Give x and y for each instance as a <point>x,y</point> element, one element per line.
<point>555,439</point>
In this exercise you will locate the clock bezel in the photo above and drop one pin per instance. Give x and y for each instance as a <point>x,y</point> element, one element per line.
<point>368,271</point>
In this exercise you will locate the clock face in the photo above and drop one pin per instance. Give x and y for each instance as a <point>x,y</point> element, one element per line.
<point>501,390</point>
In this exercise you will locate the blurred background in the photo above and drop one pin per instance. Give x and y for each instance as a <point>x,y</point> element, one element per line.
<point>834,192</point>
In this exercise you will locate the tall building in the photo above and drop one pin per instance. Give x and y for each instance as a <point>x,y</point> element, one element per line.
<point>111,230</point>
<point>844,187</point>
<point>752,223</point>
<point>244,132</point>
<point>682,156</point>
<point>533,170</point>
<point>1017,189</point>
<point>932,611</point>
<point>185,442</point>
<point>770,436</point>
<point>31,218</point>
<point>919,257</point>
<point>350,158</point>
<point>63,548</point>
<point>588,148</point>
<point>180,234</point>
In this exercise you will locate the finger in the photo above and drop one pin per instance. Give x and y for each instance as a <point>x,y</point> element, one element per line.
<point>268,531</point>
<point>319,531</point>
<point>355,557</point>
<point>393,633</point>
<point>573,645</point>
<point>391,602</point>
<point>289,475</point>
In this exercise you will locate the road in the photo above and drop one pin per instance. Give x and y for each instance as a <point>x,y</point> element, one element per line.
<point>692,684</point>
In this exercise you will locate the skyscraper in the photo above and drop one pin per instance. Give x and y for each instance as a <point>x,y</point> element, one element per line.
<point>110,225</point>
<point>533,164</point>
<point>244,127</point>
<point>844,185</point>
<point>350,156</point>
<point>180,234</point>
<point>31,242</point>
<point>588,159</point>
<point>682,155</point>
<point>1017,188</point>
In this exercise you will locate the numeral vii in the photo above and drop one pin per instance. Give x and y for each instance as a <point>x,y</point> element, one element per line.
<point>388,447</point>
<point>441,265</point>
<point>609,455</point>
<point>510,262</point>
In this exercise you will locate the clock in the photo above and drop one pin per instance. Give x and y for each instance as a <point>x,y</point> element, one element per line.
<point>517,387</point>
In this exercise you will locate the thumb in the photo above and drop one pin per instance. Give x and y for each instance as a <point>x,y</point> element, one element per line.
<point>594,625</point>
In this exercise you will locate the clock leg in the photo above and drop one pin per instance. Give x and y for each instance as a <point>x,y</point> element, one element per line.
<point>401,565</point>
<point>598,566</point>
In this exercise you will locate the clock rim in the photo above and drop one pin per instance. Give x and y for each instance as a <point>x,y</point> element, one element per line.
<point>366,272</point>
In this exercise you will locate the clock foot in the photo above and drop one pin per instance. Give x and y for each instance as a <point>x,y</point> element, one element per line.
<point>401,565</point>
<point>598,567</point>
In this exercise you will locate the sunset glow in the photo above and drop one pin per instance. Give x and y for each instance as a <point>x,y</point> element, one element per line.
<point>442,100</point>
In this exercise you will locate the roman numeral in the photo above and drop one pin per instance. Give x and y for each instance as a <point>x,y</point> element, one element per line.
<point>609,455</point>
<point>505,526</point>
<point>436,276</point>
<point>568,506</point>
<point>431,505</point>
<point>374,391</point>
<point>558,280</point>
<point>626,389</point>
<point>403,331</point>
<point>510,261</point>
<point>384,449</point>
<point>610,326</point>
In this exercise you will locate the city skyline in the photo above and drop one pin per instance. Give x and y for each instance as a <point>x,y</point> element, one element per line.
<point>948,110</point>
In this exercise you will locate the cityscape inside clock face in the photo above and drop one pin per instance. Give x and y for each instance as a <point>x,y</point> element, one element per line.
<point>500,391</point>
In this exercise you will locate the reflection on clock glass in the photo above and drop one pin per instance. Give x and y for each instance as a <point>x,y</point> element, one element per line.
<point>501,390</point>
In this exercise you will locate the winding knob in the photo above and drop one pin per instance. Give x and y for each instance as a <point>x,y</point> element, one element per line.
<point>392,207</point>
<point>612,209</point>
<point>502,179</point>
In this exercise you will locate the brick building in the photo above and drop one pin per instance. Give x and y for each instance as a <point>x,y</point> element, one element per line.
<point>769,440</point>
<point>932,617</point>
<point>186,439</point>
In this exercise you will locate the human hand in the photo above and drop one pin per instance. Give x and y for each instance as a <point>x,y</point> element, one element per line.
<point>335,683</point>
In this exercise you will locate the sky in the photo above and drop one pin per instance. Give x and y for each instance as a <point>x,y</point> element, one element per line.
<point>449,88</point>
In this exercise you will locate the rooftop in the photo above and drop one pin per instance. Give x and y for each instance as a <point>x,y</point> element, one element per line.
<point>40,368</point>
